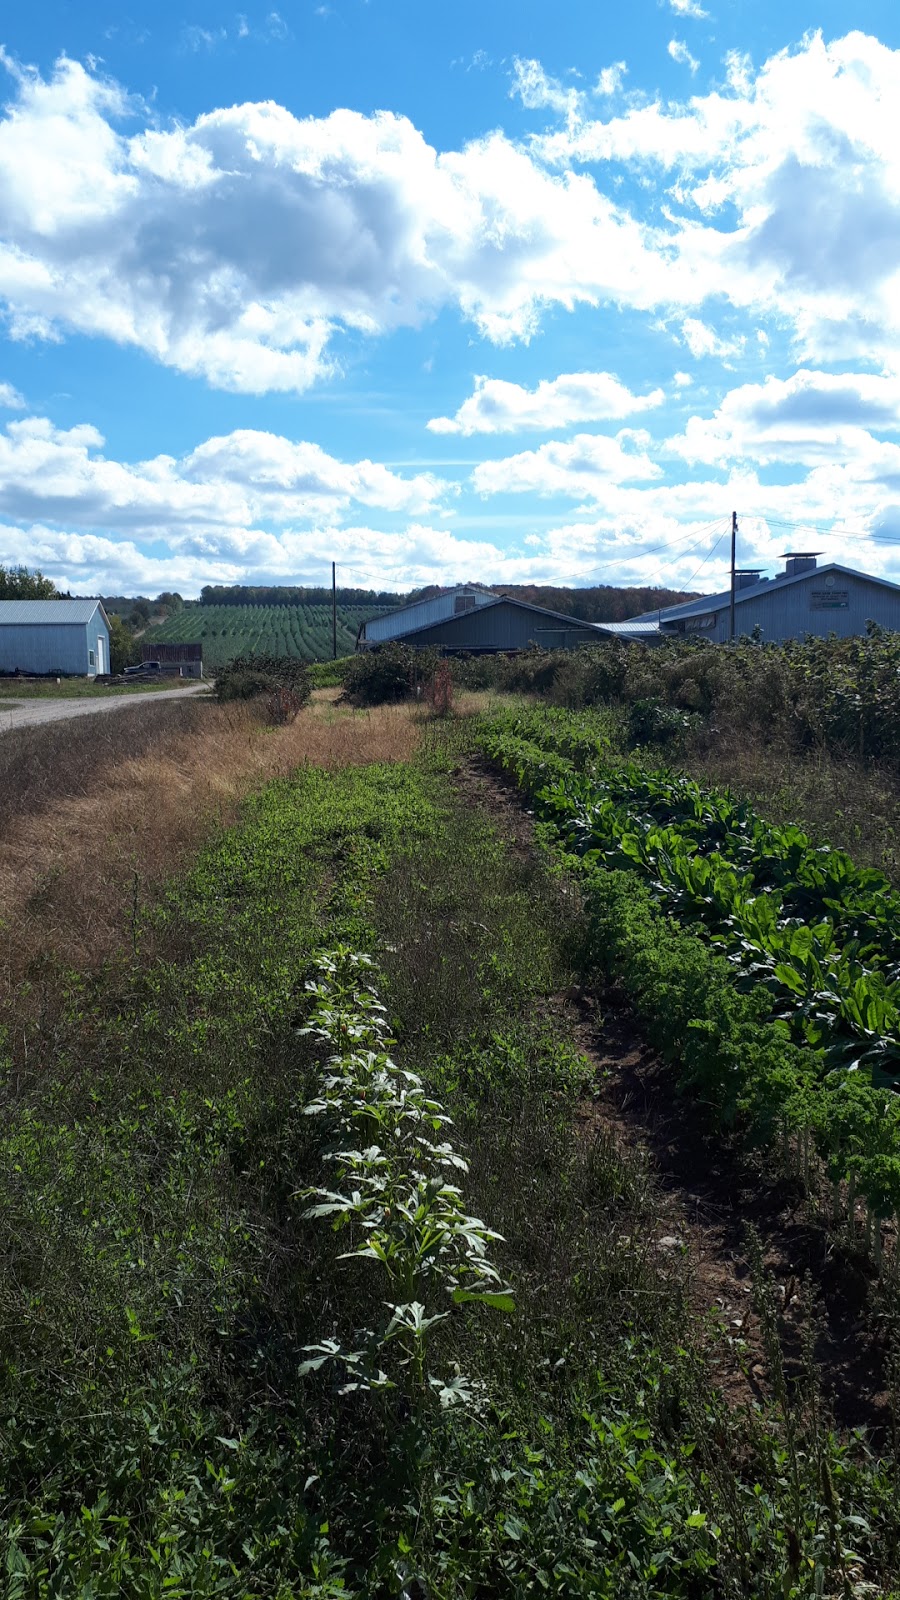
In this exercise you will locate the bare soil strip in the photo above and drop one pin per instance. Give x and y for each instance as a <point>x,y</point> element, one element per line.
<point>711,1192</point>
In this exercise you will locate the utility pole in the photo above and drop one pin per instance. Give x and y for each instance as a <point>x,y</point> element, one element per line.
<point>334,608</point>
<point>733,573</point>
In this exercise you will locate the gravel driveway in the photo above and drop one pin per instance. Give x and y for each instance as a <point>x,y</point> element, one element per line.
<point>33,713</point>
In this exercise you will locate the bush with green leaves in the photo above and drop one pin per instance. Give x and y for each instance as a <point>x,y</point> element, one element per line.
<point>389,673</point>
<point>284,681</point>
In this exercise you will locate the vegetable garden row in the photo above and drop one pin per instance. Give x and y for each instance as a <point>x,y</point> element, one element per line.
<point>765,966</point>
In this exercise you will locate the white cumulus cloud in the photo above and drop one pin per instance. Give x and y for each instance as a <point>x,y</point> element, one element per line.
<point>497,406</point>
<point>235,481</point>
<point>702,340</point>
<point>580,468</point>
<point>808,419</point>
<point>240,246</point>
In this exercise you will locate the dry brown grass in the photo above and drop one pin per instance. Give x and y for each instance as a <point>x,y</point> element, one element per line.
<point>99,834</point>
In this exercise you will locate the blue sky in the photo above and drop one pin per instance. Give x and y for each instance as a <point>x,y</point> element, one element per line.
<point>506,292</point>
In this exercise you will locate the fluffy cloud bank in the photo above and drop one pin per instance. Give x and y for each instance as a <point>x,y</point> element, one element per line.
<point>233,481</point>
<point>242,245</point>
<point>500,407</point>
<point>583,467</point>
<point>809,418</point>
<point>236,246</point>
<point>783,187</point>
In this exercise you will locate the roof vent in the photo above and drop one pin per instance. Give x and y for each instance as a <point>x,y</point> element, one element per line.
<point>799,561</point>
<point>747,578</point>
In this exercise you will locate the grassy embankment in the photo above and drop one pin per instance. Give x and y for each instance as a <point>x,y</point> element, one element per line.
<point>162,1285</point>
<point>82,688</point>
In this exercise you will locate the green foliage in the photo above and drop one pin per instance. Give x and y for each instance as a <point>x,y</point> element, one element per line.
<point>18,583</point>
<point>390,673</point>
<point>160,1291</point>
<point>798,986</point>
<point>283,681</point>
<point>148,1296</point>
<point>329,674</point>
<point>839,693</point>
<point>394,1165</point>
<point>123,651</point>
<point>282,595</point>
<point>229,630</point>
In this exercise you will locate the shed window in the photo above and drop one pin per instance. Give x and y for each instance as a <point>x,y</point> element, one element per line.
<point>464,602</point>
<point>90,658</point>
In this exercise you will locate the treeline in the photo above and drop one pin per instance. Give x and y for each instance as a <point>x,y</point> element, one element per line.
<point>246,594</point>
<point>601,603</point>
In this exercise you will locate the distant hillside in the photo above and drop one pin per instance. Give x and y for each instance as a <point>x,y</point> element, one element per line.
<point>226,631</point>
<point>283,620</point>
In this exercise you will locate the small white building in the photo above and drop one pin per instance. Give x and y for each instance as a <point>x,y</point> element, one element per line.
<point>63,638</point>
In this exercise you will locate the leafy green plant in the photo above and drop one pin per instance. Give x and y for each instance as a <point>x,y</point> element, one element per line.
<point>392,1192</point>
<point>388,673</point>
<point>809,938</point>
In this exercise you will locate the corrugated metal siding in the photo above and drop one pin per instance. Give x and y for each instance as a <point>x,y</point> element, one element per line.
<point>47,611</point>
<point>419,615</point>
<point>56,647</point>
<point>505,626</point>
<point>790,612</point>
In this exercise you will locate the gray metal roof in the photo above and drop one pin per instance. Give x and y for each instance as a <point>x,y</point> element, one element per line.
<point>501,600</point>
<point>48,611</point>
<point>714,602</point>
<point>634,628</point>
<point>412,605</point>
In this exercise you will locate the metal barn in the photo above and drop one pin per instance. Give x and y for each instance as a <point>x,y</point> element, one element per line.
<point>804,599</point>
<point>69,638</point>
<point>423,613</point>
<point>493,624</point>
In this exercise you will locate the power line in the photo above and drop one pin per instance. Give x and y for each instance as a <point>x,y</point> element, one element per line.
<point>694,534</point>
<point>710,554</point>
<point>827,533</point>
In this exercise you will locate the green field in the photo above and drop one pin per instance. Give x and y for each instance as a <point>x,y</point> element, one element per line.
<point>229,631</point>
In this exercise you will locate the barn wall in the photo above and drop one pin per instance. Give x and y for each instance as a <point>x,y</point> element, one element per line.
<point>421,614</point>
<point>811,606</point>
<point>53,647</point>
<point>504,627</point>
<point>44,647</point>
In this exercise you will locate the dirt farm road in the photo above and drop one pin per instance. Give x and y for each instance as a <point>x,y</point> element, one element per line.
<point>32,713</point>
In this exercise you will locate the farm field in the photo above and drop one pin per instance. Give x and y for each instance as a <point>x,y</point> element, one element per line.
<point>334,1266</point>
<point>227,631</point>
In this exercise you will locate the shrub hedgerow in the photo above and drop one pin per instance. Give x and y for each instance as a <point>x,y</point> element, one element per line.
<point>391,672</point>
<point>283,680</point>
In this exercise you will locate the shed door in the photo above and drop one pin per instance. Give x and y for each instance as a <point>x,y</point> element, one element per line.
<point>101,646</point>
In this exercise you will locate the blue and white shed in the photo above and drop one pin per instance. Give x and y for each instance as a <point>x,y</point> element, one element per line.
<point>66,637</point>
